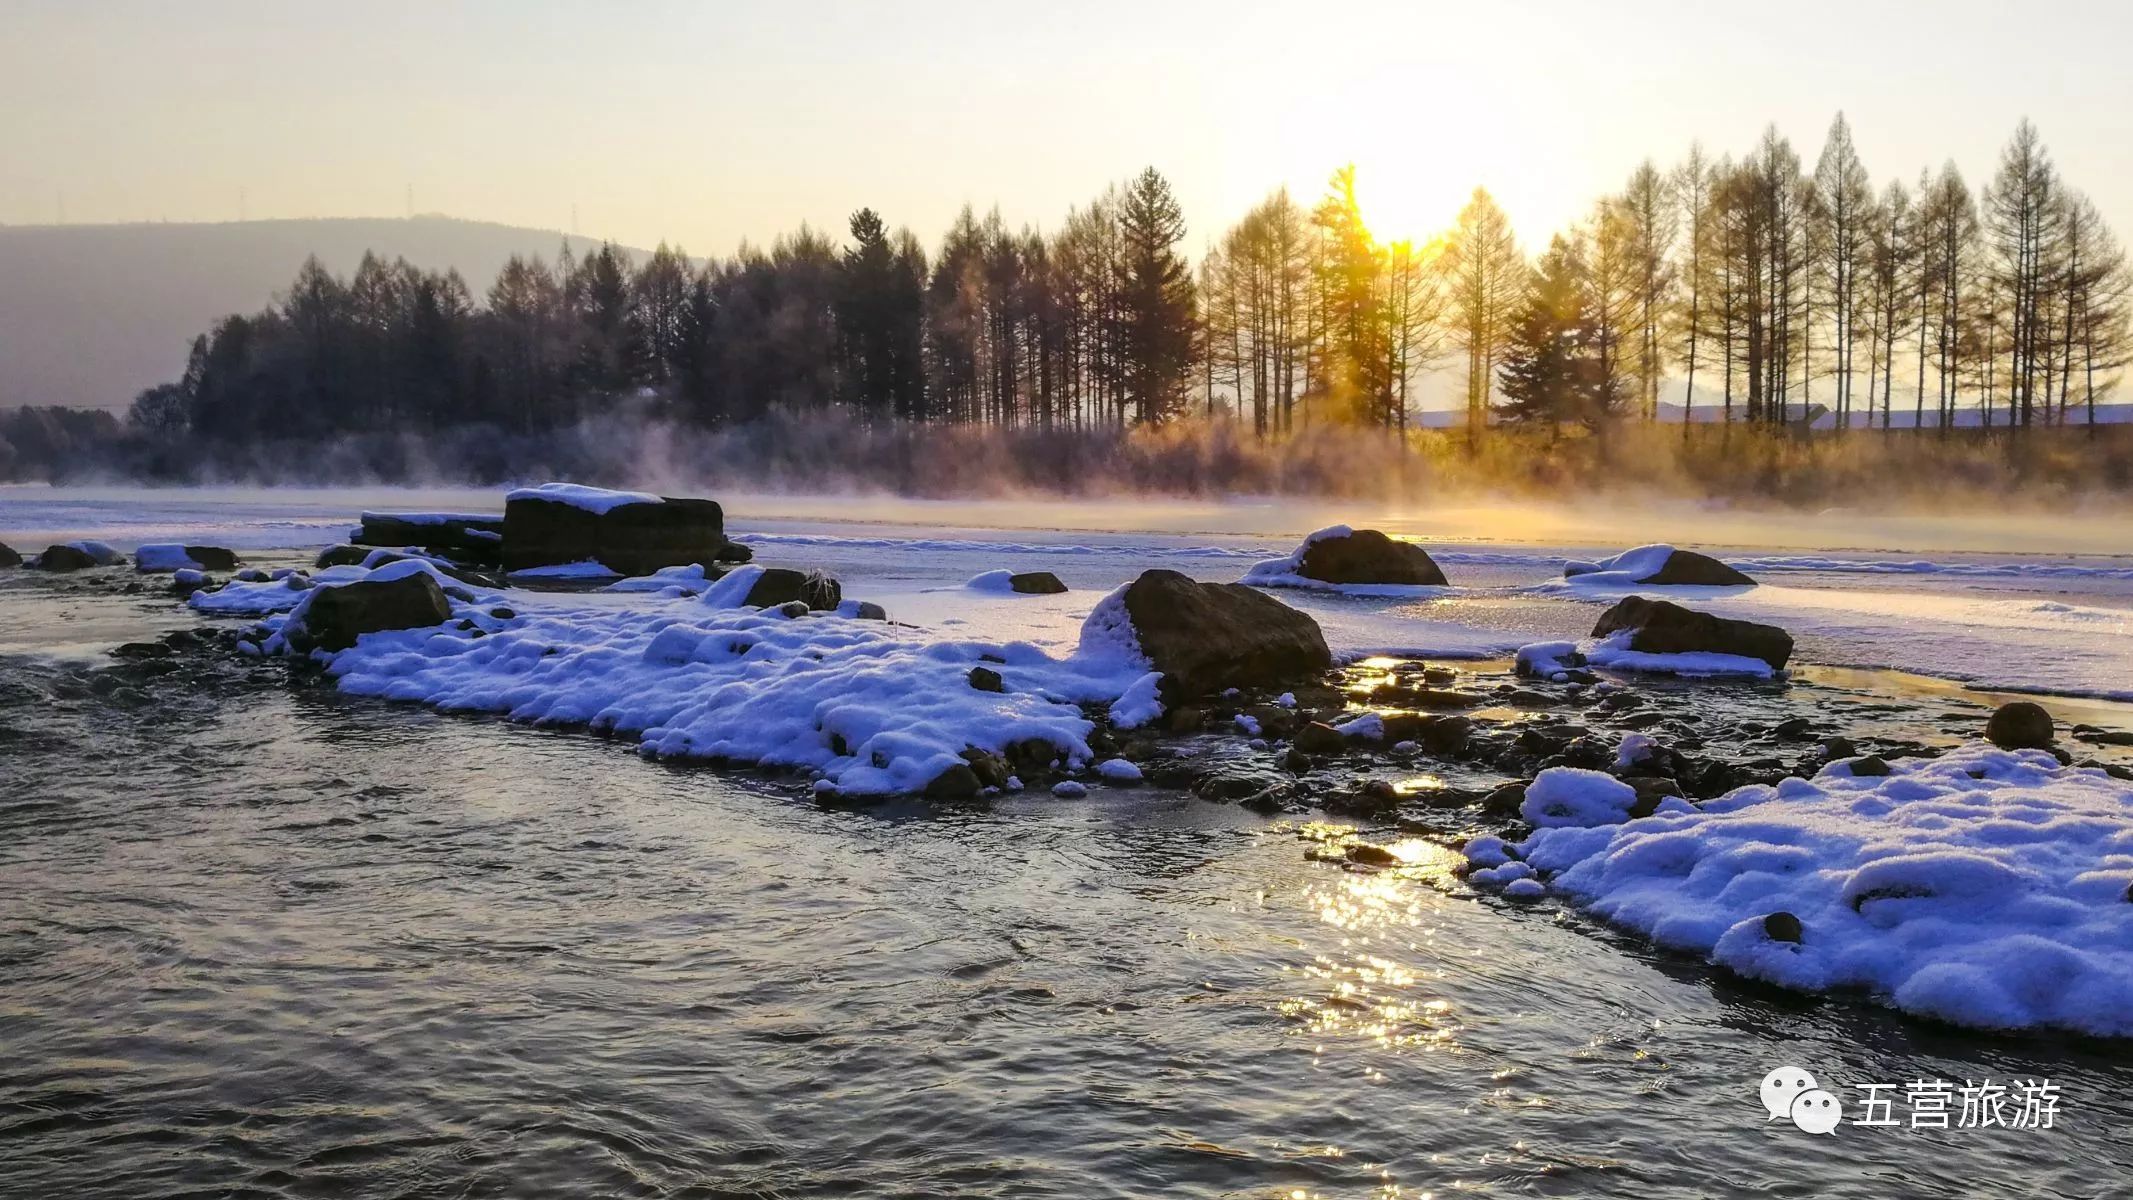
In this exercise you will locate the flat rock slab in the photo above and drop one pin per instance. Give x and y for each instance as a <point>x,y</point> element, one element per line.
<point>633,537</point>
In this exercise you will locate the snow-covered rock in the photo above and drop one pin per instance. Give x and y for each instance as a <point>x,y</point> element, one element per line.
<point>78,555</point>
<point>399,596</point>
<point>1661,627</point>
<point>1209,637</point>
<point>631,533</point>
<point>1655,566</point>
<point>1118,770</point>
<point>170,556</point>
<point>1362,562</point>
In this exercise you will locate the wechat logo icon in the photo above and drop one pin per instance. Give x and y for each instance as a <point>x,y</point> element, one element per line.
<point>1791,1092</point>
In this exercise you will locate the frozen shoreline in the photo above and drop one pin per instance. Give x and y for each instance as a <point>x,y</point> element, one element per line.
<point>2036,623</point>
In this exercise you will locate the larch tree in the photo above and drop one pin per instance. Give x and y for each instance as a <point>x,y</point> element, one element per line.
<point>1692,198</point>
<point>1650,214</point>
<point>1485,279</point>
<point>1847,200</point>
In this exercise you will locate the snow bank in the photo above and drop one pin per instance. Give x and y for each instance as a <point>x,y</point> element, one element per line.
<point>1555,660</point>
<point>869,708</point>
<point>992,581</point>
<point>1987,887</point>
<point>578,495</point>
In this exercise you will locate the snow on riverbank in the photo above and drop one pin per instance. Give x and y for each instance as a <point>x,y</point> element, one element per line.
<point>870,708</point>
<point>1987,888</point>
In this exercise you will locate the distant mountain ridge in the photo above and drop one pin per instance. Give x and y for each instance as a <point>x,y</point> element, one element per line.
<point>91,314</point>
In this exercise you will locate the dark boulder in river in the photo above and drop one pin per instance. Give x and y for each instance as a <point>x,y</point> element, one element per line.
<point>1205,637</point>
<point>1036,583</point>
<point>1368,556</point>
<point>8,557</point>
<point>464,537</point>
<point>71,557</point>
<point>1663,627</point>
<point>2020,725</point>
<point>1663,566</point>
<point>1686,568</point>
<point>333,617</point>
<point>628,532</point>
<point>783,585</point>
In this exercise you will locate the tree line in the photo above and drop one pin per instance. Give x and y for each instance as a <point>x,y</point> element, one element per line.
<point>1748,289</point>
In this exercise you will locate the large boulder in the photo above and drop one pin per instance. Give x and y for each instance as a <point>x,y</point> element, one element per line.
<point>343,555</point>
<point>8,557</point>
<point>1659,566</point>
<point>467,537</point>
<point>1367,556</point>
<point>1663,627</point>
<point>1035,583</point>
<point>78,556</point>
<point>332,618</point>
<point>1206,637</point>
<point>2020,725</point>
<point>631,533</point>
<point>783,585</point>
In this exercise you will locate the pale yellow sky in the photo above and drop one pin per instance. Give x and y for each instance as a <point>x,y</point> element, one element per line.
<point>705,124</point>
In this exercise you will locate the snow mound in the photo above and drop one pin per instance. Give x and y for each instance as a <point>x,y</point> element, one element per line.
<point>992,581</point>
<point>687,580</point>
<point>1987,888</point>
<point>1118,770</point>
<point>579,496</point>
<point>1572,798</point>
<point>1140,703</point>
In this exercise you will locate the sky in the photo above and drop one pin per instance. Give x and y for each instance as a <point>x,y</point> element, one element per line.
<point>707,124</point>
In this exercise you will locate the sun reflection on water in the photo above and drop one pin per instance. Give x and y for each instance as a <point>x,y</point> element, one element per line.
<point>1369,984</point>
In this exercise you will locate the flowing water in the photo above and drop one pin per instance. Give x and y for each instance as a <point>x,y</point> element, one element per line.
<point>257,939</point>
